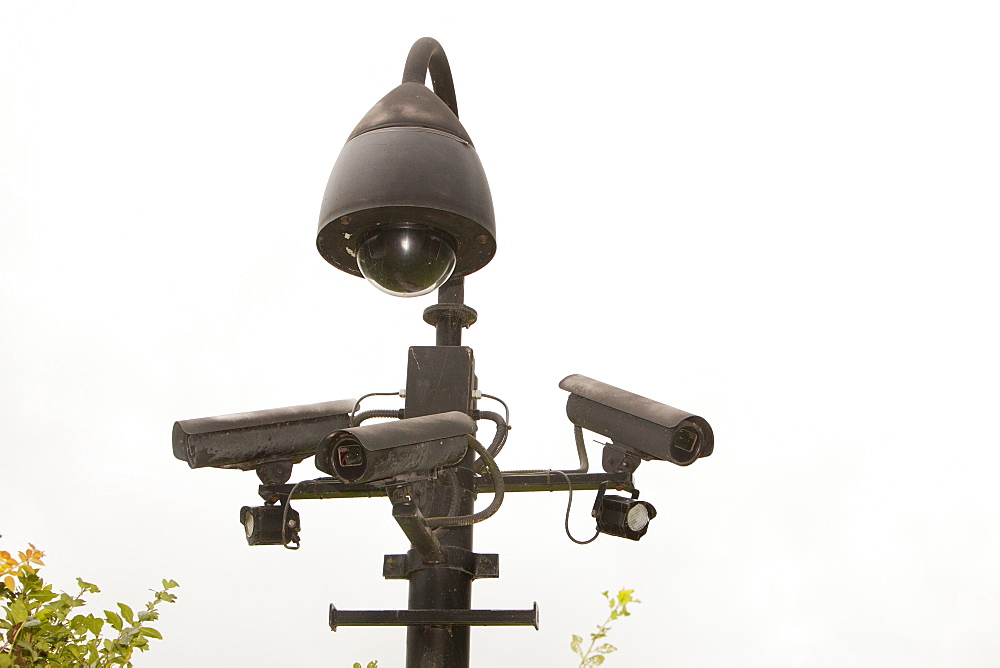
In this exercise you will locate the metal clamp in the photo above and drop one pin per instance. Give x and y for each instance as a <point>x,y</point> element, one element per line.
<point>400,566</point>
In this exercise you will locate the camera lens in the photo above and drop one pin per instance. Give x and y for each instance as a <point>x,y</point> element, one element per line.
<point>350,455</point>
<point>686,438</point>
<point>406,261</point>
<point>686,444</point>
<point>347,458</point>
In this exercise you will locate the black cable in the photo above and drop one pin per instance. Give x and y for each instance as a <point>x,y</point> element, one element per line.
<point>502,403</point>
<point>499,438</point>
<point>488,511</point>
<point>357,404</point>
<point>285,540</point>
<point>581,451</point>
<point>286,504</point>
<point>569,504</point>
<point>376,413</point>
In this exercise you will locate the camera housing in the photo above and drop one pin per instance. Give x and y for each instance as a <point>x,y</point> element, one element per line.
<point>270,525</point>
<point>389,449</point>
<point>269,440</point>
<point>639,428</point>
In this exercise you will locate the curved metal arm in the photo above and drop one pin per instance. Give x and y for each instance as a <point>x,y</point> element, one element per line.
<point>426,55</point>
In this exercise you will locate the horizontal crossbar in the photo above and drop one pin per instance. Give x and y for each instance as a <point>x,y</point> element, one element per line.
<point>513,482</point>
<point>433,617</point>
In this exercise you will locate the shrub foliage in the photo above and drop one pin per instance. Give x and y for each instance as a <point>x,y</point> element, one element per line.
<point>40,627</point>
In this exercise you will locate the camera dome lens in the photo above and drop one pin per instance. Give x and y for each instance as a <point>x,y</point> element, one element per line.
<point>406,261</point>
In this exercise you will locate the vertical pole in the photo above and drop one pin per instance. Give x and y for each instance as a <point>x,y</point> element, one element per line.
<point>442,378</point>
<point>449,328</point>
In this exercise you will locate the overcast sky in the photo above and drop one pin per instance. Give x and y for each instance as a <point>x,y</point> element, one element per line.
<point>779,215</point>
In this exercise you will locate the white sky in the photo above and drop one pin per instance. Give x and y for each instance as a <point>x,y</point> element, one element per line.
<point>778,215</point>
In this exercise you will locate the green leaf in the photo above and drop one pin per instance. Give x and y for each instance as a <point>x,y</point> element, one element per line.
<point>606,648</point>
<point>373,664</point>
<point>18,611</point>
<point>127,613</point>
<point>595,660</point>
<point>45,596</point>
<point>95,624</point>
<point>131,632</point>
<point>150,632</point>
<point>576,643</point>
<point>78,623</point>
<point>114,620</point>
<point>170,584</point>
<point>86,586</point>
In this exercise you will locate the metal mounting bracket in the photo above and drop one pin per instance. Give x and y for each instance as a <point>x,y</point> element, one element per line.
<point>400,566</point>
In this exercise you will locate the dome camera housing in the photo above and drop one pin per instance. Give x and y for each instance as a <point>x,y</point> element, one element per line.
<point>408,165</point>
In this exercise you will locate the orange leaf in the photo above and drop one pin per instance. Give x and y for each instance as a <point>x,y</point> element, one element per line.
<point>9,581</point>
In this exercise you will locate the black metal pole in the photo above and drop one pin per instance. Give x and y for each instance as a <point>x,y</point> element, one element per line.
<point>449,328</point>
<point>440,379</point>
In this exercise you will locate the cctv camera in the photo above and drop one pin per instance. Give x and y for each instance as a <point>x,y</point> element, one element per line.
<point>385,450</point>
<point>638,427</point>
<point>264,440</point>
